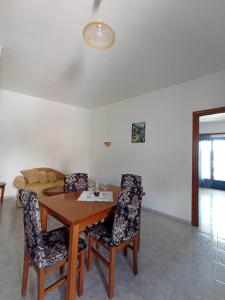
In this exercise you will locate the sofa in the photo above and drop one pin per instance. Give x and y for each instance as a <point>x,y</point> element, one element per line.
<point>38,179</point>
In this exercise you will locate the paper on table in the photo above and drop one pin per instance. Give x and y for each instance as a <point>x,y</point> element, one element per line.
<point>89,196</point>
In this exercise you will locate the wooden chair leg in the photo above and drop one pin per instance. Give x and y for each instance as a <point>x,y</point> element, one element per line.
<point>111,272</point>
<point>139,236</point>
<point>26,265</point>
<point>90,252</point>
<point>81,274</point>
<point>62,269</point>
<point>135,250</point>
<point>41,284</point>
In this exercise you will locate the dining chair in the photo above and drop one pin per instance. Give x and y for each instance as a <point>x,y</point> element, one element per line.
<point>45,251</point>
<point>75,182</point>
<point>117,233</point>
<point>130,180</point>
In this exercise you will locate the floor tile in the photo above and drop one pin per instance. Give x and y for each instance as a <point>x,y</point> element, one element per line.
<point>176,261</point>
<point>220,273</point>
<point>219,291</point>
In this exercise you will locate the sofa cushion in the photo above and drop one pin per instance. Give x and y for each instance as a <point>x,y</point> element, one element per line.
<point>51,176</point>
<point>58,174</point>
<point>42,177</point>
<point>30,176</point>
<point>36,186</point>
<point>39,187</point>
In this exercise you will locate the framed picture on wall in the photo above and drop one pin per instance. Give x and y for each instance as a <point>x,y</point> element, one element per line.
<point>138,132</point>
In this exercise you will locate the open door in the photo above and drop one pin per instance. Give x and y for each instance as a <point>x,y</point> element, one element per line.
<point>195,160</point>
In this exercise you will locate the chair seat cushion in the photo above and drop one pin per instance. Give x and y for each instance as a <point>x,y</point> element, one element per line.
<point>56,243</point>
<point>103,232</point>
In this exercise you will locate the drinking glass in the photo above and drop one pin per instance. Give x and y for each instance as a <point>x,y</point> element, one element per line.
<point>105,186</point>
<point>91,187</point>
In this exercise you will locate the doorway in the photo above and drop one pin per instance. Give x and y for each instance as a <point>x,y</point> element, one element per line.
<point>211,171</point>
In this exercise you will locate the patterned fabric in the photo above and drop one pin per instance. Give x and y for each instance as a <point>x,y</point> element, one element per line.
<point>32,226</point>
<point>125,222</point>
<point>130,180</point>
<point>56,243</point>
<point>75,182</point>
<point>45,248</point>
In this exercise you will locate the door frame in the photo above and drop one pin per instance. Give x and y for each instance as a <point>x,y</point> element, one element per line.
<point>195,142</point>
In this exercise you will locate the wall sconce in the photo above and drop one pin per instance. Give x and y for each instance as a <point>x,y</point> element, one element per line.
<point>107,144</point>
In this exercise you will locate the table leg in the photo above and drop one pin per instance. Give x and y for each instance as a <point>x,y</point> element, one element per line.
<point>72,263</point>
<point>44,219</point>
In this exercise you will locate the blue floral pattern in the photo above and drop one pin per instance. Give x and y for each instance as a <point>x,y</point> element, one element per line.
<point>75,182</point>
<point>130,180</point>
<point>44,248</point>
<point>126,220</point>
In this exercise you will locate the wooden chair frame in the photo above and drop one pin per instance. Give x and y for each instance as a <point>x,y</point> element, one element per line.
<point>129,244</point>
<point>42,272</point>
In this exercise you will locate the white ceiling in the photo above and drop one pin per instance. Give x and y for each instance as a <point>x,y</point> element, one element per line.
<point>158,43</point>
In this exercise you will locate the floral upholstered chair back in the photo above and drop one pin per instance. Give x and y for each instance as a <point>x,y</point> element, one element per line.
<point>32,226</point>
<point>127,215</point>
<point>75,182</point>
<point>130,180</point>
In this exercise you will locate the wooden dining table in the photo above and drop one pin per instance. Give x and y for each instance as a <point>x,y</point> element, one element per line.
<point>75,215</point>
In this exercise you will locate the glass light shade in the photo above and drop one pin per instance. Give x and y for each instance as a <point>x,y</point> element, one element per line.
<point>99,35</point>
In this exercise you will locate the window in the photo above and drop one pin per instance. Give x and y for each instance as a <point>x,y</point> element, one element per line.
<point>205,159</point>
<point>212,161</point>
<point>219,159</point>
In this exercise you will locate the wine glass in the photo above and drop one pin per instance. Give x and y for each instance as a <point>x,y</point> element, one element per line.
<point>105,186</point>
<point>91,187</point>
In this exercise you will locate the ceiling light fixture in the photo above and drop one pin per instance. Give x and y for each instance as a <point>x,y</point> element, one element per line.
<point>99,35</point>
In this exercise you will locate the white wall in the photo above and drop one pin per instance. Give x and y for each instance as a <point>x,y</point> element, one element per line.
<point>37,132</point>
<point>165,159</point>
<point>212,127</point>
<point>41,133</point>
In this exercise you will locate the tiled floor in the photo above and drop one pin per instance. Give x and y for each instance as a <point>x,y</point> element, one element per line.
<point>176,261</point>
<point>212,222</point>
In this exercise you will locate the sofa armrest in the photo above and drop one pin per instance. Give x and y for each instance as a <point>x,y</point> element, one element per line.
<point>19,182</point>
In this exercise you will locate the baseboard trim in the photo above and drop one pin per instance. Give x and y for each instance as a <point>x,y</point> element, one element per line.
<point>159,213</point>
